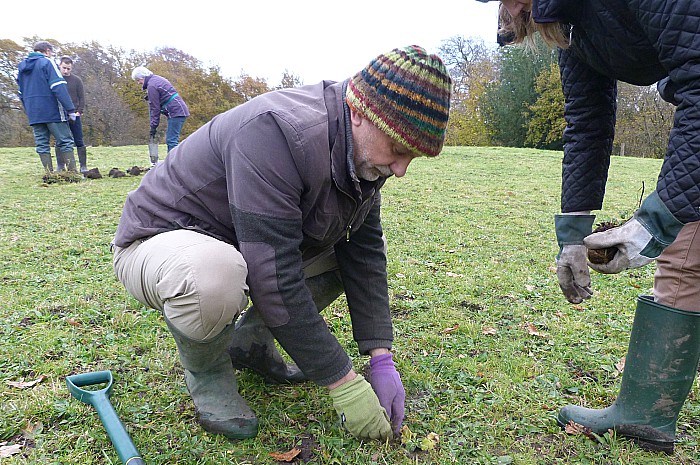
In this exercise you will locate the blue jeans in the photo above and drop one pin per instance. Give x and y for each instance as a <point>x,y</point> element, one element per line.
<point>76,128</point>
<point>172,135</point>
<point>61,132</point>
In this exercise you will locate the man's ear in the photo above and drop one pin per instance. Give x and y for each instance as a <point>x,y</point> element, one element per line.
<point>356,117</point>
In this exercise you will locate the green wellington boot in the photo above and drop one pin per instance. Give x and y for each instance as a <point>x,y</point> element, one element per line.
<point>253,347</point>
<point>660,368</point>
<point>82,158</point>
<point>46,161</point>
<point>212,384</point>
<point>69,160</point>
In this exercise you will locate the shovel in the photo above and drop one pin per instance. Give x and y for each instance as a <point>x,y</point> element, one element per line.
<point>153,150</point>
<point>100,400</point>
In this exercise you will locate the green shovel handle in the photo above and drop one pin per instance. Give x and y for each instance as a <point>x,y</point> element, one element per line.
<point>99,399</point>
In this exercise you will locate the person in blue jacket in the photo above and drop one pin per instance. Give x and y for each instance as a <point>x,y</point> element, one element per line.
<point>162,98</point>
<point>641,43</point>
<point>44,95</point>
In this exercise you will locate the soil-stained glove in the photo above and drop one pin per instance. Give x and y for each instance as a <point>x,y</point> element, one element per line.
<point>572,263</point>
<point>386,382</point>
<point>359,410</point>
<point>640,240</point>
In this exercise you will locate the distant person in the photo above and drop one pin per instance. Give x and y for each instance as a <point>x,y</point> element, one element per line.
<point>601,42</point>
<point>44,95</point>
<point>77,95</point>
<point>279,199</point>
<point>162,98</point>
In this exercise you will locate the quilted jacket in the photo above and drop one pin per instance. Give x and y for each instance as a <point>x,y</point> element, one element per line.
<point>274,178</point>
<point>639,42</point>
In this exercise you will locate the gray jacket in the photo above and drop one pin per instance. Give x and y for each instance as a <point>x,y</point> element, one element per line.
<point>274,178</point>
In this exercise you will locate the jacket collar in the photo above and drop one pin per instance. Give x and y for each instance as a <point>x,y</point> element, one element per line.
<point>340,139</point>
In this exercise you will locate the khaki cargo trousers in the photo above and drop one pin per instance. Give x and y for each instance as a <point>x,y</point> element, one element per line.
<point>199,282</point>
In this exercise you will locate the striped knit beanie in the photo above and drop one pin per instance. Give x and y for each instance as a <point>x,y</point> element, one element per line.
<point>406,94</point>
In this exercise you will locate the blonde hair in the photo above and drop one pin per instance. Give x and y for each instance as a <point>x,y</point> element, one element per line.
<point>522,28</point>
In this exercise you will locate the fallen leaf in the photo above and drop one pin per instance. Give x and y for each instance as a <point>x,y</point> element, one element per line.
<point>73,322</point>
<point>532,331</point>
<point>529,287</point>
<point>450,330</point>
<point>489,330</point>
<point>400,275</point>
<point>454,275</point>
<point>429,442</point>
<point>574,428</point>
<point>620,366</point>
<point>285,456</point>
<point>406,434</point>
<point>22,384</point>
<point>7,451</point>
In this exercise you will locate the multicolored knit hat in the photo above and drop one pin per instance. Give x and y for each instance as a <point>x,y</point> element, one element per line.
<point>406,94</point>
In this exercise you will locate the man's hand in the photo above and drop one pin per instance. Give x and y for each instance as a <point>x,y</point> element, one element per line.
<point>72,115</point>
<point>386,382</point>
<point>359,410</point>
<point>630,239</point>
<point>572,273</point>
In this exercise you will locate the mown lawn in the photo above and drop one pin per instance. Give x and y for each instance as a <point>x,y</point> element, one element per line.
<point>487,346</point>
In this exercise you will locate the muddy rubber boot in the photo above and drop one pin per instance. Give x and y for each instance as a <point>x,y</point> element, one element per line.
<point>60,162</point>
<point>69,159</point>
<point>82,158</point>
<point>212,384</point>
<point>46,161</point>
<point>660,368</point>
<point>253,347</point>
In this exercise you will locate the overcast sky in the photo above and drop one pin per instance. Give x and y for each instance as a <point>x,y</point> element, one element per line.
<point>314,39</point>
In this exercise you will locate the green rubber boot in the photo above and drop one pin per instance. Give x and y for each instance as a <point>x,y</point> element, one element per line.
<point>660,368</point>
<point>46,162</point>
<point>69,160</point>
<point>212,384</point>
<point>253,347</point>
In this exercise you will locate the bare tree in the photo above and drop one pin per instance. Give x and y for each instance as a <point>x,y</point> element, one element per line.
<point>644,121</point>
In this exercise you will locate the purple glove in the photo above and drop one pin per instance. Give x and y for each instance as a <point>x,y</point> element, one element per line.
<point>386,383</point>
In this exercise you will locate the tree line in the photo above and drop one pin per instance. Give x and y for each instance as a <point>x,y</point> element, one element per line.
<point>116,113</point>
<point>509,96</point>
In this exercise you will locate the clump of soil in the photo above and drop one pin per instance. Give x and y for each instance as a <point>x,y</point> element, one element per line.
<point>135,170</point>
<point>93,174</point>
<point>603,256</point>
<point>116,173</point>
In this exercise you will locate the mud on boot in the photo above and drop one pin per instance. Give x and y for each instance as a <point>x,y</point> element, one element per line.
<point>212,384</point>
<point>660,368</point>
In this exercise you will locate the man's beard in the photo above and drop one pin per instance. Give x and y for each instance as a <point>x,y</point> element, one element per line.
<point>364,169</point>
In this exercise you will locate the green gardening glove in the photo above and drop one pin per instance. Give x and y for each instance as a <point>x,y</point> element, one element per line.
<point>359,410</point>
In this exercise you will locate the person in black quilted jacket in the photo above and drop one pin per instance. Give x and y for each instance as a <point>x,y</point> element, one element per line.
<point>641,42</point>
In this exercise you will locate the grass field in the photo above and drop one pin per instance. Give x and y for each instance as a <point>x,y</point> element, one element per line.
<point>487,346</point>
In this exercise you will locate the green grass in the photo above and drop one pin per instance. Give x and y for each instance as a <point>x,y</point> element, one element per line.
<point>471,252</point>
